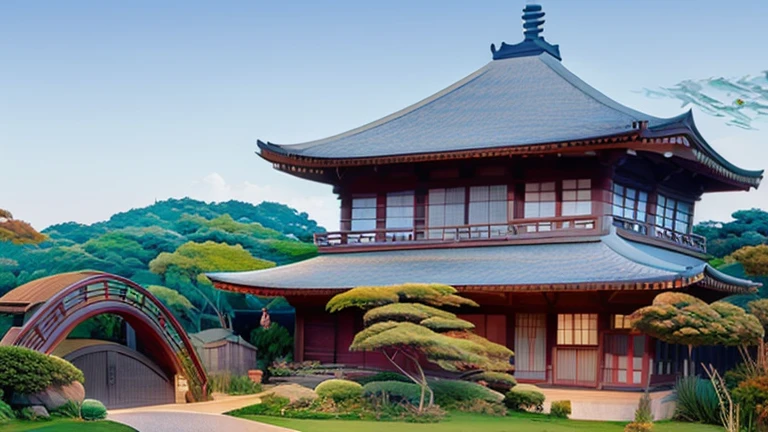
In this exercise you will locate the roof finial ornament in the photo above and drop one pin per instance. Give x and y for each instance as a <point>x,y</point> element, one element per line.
<point>532,21</point>
<point>534,43</point>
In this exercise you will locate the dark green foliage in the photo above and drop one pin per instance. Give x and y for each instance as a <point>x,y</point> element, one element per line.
<point>107,327</point>
<point>561,409</point>
<point>449,392</point>
<point>697,401</point>
<point>749,228</point>
<point>339,390</point>
<point>394,391</point>
<point>272,343</point>
<point>28,414</point>
<point>6,412</point>
<point>524,398</point>
<point>70,409</point>
<point>382,376</point>
<point>91,409</point>
<point>232,384</point>
<point>499,381</point>
<point>26,371</point>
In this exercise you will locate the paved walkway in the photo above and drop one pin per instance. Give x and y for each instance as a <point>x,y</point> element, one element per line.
<point>184,421</point>
<point>194,417</point>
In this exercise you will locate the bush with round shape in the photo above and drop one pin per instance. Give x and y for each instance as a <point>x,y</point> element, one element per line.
<point>396,391</point>
<point>499,381</point>
<point>449,392</point>
<point>339,390</point>
<point>382,376</point>
<point>25,371</point>
<point>91,409</point>
<point>560,409</point>
<point>524,398</point>
<point>752,397</point>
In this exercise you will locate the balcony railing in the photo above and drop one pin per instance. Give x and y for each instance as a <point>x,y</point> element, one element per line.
<point>515,229</point>
<point>688,241</point>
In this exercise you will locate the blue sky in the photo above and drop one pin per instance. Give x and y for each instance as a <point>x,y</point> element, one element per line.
<point>105,106</point>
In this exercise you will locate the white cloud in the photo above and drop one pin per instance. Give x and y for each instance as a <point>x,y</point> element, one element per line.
<point>323,209</point>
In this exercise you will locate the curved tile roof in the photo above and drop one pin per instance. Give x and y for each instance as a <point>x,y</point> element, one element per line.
<point>508,102</point>
<point>607,260</point>
<point>26,296</point>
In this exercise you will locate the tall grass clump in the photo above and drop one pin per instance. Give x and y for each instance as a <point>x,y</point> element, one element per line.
<point>697,401</point>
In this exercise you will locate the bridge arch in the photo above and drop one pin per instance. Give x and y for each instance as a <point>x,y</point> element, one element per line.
<point>53,306</point>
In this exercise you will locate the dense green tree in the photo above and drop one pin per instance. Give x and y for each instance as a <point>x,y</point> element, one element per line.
<point>180,307</point>
<point>748,228</point>
<point>405,321</point>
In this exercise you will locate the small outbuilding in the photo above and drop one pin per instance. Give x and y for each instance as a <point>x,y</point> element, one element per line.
<point>222,351</point>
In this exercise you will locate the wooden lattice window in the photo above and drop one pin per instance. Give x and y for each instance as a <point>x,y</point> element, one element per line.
<point>577,329</point>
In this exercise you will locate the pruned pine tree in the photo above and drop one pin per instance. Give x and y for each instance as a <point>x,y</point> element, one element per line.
<point>683,319</point>
<point>406,323</point>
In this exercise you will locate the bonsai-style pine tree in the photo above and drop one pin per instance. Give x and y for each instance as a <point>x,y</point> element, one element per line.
<point>683,319</point>
<point>405,323</point>
<point>759,308</point>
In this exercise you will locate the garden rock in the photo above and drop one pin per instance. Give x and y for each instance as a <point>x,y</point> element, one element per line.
<point>40,411</point>
<point>52,397</point>
<point>292,392</point>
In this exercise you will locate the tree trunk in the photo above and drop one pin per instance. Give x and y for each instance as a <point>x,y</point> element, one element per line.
<point>420,382</point>
<point>689,370</point>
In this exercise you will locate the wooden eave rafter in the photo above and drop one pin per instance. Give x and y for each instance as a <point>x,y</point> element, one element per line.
<point>679,145</point>
<point>701,279</point>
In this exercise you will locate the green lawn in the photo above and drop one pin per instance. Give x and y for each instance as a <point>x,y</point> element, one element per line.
<point>65,425</point>
<point>460,422</point>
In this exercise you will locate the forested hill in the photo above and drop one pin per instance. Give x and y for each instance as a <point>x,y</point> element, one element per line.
<point>129,241</point>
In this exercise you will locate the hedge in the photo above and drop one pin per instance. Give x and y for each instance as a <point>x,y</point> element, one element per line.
<point>448,392</point>
<point>396,390</point>
<point>382,376</point>
<point>339,390</point>
<point>26,371</point>
<point>524,398</point>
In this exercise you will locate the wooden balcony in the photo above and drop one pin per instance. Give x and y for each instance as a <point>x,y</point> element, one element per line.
<point>644,230</point>
<point>519,229</point>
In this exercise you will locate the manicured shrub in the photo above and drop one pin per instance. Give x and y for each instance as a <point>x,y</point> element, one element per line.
<point>6,413</point>
<point>29,414</point>
<point>560,409</point>
<point>91,409</point>
<point>644,412</point>
<point>638,427</point>
<point>499,381</point>
<point>524,398</point>
<point>752,397</point>
<point>396,391</point>
<point>70,409</point>
<point>449,392</point>
<point>382,376</point>
<point>697,401</point>
<point>479,406</point>
<point>339,390</point>
<point>270,405</point>
<point>26,371</point>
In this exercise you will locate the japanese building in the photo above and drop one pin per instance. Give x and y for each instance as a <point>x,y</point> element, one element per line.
<point>557,209</point>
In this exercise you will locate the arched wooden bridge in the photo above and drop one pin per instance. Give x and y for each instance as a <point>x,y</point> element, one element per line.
<point>55,305</point>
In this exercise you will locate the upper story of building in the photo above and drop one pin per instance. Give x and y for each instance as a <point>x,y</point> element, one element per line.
<point>522,151</point>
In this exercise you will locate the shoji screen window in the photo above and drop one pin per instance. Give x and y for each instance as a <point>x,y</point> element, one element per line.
<point>400,210</point>
<point>445,209</point>
<point>488,211</point>
<point>363,214</point>
<point>577,201</point>
<point>540,201</point>
<point>577,329</point>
